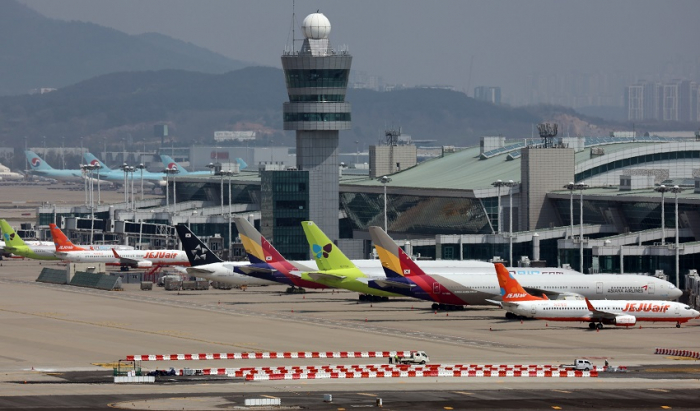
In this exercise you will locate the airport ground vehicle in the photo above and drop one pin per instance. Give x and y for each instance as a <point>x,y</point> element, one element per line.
<point>416,357</point>
<point>579,365</point>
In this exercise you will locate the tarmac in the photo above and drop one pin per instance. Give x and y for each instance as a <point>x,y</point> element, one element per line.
<point>58,345</point>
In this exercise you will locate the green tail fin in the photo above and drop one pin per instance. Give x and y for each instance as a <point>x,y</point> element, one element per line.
<point>12,239</point>
<point>327,255</point>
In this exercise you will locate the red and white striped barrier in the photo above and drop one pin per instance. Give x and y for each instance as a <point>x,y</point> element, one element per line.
<point>679,353</point>
<point>391,371</point>
<point>416,374</point>
<point>266,355</point>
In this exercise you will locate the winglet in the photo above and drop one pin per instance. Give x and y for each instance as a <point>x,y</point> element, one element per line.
<point>62,242</point>
<point>327,255</point>
<point>511,290</point>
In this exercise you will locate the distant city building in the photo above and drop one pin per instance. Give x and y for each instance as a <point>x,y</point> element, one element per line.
<point>676,100</point>
<point>42,90</point>
<point>489,94</point>
<point>234,136</point>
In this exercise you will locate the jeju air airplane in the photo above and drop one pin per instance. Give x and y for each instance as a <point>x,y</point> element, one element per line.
<point>620,313</point>
<point>66,250</point>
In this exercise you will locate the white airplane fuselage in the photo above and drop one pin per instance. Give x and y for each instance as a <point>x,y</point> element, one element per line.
<point>577,310</point>
<point>155,257</point>
<point>225,272</point>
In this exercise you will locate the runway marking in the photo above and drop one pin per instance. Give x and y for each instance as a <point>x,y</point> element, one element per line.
<point>367,394</point>
<point>556,407</point>
<point>658,389</point>
<point>448,408</point>
<point>463,393</point>
<point>565,392</point>
<point>666,407</point>
<point>269,396</point>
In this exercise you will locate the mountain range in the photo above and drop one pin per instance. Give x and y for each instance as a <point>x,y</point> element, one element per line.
<point>112,88</point>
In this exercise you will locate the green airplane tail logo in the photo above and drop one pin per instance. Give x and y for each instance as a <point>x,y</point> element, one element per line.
<point>324,251</point>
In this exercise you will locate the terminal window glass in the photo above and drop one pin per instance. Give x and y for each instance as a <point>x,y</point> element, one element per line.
<point>316,117</point>
<point>317,97</point>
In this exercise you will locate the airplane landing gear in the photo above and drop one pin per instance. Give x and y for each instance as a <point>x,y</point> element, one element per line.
<point>591,326</point>
<point>678,324</point>
<point>599,326</point>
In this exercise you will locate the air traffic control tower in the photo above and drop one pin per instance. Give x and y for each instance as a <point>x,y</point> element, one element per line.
<point>317,79</point>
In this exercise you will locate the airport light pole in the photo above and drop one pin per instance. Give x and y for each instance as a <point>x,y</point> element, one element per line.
<point>581,187</point>
<point>571,187</point>
<point>675,190</point>
<point>99,193</point>
<point>510,184</point>
<point>211,167</point>
<point>168,172</point>
<point>385,180</point>
<point>141,167</point>
<point>126,193</point>
<point>229,173</point>
<point>133,197</point>
<point>663,189</point>
<point>88,168</point>
<point>498,184</point>
<point>221,174</point>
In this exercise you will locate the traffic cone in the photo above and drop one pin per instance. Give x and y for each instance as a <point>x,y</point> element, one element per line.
<point>447,314</point>
<point>546,324</point>
<point>303,298</point>
<point>292,310</point>
<point>435,311</point>
<point>490,329</point>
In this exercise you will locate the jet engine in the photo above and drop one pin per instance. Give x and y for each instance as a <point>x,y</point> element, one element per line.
<point>148,264</point>
<point>625,320</point>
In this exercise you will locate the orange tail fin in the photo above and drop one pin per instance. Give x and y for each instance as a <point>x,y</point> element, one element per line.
<point>511,290</point>
<point>61,241</point>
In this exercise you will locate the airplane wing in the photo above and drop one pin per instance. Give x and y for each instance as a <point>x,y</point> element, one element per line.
<point>547,294</point>
<point>598,314</point>
<point>129,261</point>
<point>316,276</point>
<point>195,271</point>
<point>503,304</point>
<point>250,269</point>
<point>393,284</point>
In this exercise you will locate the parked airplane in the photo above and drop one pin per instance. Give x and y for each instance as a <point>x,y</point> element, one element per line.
<point>41,249</point>
<point>478,284</point>
<point>168,162</point>
<point>16,246</point>
<point>335,269</point>
<point>204,263</point>
<point>68,251</point>
<point>7,175</point>
<point>267,263</point>
<point>621,313</point>
<point>117,176</point>
<point>39,167</point>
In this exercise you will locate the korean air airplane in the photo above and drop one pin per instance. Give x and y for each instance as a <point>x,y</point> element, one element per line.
<point>117,176</point>
<point>168,162</point>
<point>39,167</point>
<point>595,312</point>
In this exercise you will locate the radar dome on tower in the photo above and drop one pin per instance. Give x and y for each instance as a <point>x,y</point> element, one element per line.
<point>316,26</point>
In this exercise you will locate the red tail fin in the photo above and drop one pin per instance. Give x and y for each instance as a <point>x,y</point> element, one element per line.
<point>511,290</point>
<point>62,242</point>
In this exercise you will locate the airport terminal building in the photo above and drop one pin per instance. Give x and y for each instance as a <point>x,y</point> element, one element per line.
<point>453,206</point>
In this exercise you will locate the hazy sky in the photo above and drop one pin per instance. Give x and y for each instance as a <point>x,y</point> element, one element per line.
<point>427,42</point>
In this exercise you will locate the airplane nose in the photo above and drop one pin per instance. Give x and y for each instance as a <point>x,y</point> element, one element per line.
<point>696,314</point>
<point>675,293</point>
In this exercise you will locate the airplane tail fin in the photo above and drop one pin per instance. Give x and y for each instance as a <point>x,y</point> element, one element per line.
<point>253,242</point>
<point>92,160</point>
<point>12,239</point>
<point>197,252</point>
<point>61,241</point>
<point>326,254</point>
<point>394,261</point>
<point>511,290</point>
<point>36,162</point>
<point>241,164</point>
<point>168,162</point>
